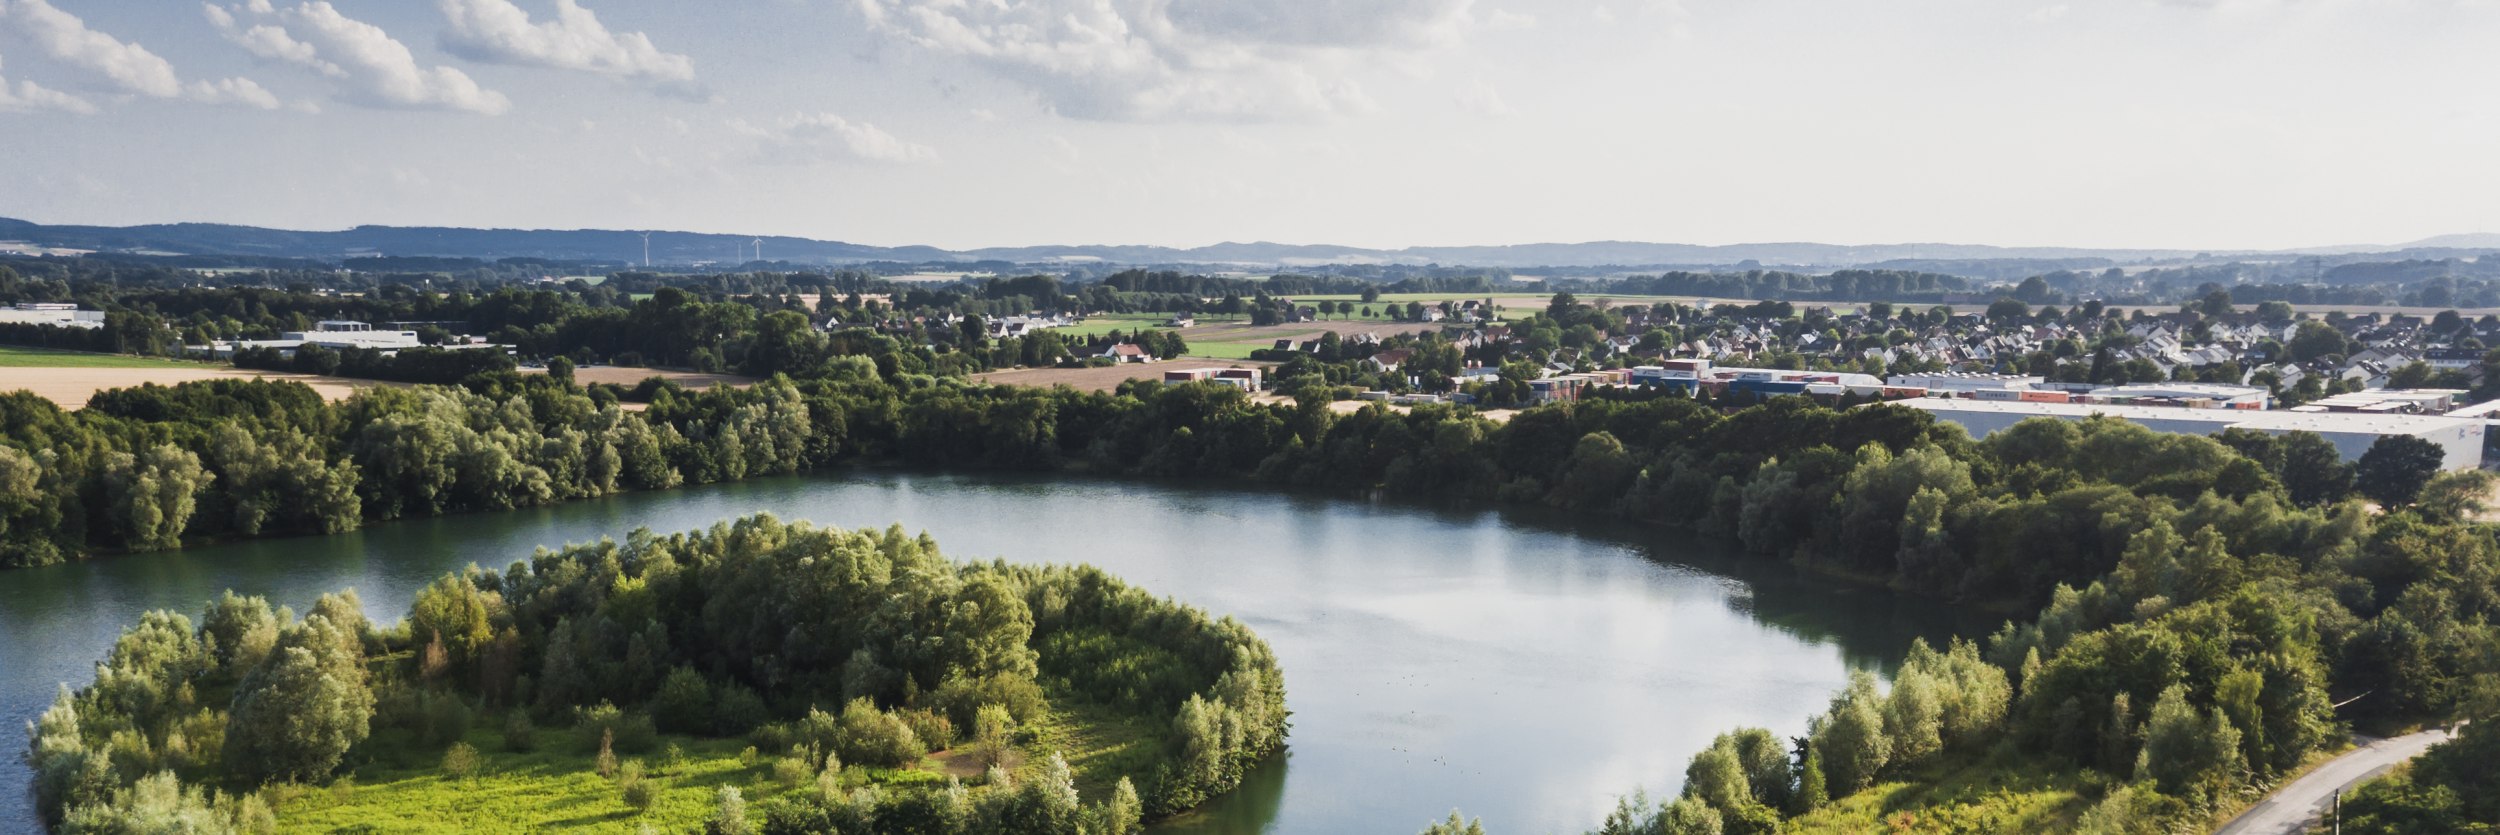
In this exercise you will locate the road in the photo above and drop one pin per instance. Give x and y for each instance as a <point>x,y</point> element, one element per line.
<point>2291,809</point>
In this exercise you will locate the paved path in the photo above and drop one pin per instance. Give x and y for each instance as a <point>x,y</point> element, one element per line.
<point>2290,809</point>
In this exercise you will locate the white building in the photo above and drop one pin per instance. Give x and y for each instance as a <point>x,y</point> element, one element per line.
<point>2351,433</point>
<point>52,313</point>
<point>334,334</point>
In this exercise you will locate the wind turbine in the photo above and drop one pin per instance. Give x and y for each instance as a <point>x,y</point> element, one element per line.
<point>759,249</point>
<point>646,250</point>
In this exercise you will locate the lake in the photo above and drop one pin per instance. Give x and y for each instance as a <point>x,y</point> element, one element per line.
<point>1517,665</point>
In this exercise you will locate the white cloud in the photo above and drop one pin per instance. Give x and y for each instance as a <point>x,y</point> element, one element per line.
<point>824,137</point>
<point>496,31</point>
<point>130,68</point>
<point>27,96</point>
<point>66,38</point>
<point>375,69</point>
<point>238,90</point>
<point>270,42</point>
<point>1231,60</point>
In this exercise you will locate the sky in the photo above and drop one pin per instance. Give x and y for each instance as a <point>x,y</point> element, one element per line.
<point>2221,124</point>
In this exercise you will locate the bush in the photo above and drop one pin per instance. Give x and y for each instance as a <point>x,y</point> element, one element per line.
<point>461,762</point>
<point>792,771</point>
<point>630,731</point>
<point>684,705</point>
<point>520,735</point>
<point>872,737</point>
<point>635,786</point>
<point>933,728</point>
<point>736,710</point>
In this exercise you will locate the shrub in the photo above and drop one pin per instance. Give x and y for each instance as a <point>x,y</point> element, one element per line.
<point>792,771</point>
<point>635,787</point>
<point>932,727</point>
<point>736,710</point>
<point>684,705</point>
<point>872,737</point>
<point>461,762</point>
<point>629,731</point>
<point>520,735</point>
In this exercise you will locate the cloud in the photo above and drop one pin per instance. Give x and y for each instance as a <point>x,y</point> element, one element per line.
<point>498,32</point>
<point>1146,60</point>
<point>131,67</point>
<point>808,138</point>
<point>242,91</point>
<point>27,96</point>
<point>270,42</point>
<point>373,68</point>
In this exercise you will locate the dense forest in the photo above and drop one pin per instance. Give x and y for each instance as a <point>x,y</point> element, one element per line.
<point>861,648</point>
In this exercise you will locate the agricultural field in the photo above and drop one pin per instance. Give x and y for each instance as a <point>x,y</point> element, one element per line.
<point>1101,323</point>
<point>630,377</point>
<point>71,387</point>
<point>1106,378</point>
<point>15,357</point>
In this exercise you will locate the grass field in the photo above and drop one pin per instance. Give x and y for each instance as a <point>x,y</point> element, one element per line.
<point>1102,323</point>
<point>402,789</point>
<point>16,357</point>
<point>1227,350</point>
<point>2003,794</point>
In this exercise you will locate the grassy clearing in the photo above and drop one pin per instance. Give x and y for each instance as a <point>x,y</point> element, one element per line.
<point>2001,794</point>
<point>399,787</point>
<point>1102,323</point>
<point>1227,350</point>
<point>16,357</point>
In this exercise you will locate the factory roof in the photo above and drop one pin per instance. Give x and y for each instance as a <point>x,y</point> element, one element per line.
<point>2268,421</point>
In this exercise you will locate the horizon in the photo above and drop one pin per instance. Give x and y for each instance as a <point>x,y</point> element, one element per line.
<point>2356,246</point>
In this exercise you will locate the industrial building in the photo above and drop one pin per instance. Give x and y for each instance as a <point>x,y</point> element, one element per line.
<point>334,334</point>
<point>51,313</point>
<point>2351,433</point>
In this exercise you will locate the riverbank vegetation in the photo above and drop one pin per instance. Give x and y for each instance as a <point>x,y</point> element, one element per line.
<point>761,676</point>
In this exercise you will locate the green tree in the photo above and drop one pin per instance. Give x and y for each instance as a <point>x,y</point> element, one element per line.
<point>2396,467</point>
<point>1851,736</point>
<point>296,715</point>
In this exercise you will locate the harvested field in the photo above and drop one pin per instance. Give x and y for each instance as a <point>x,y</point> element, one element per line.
<point>71,387</point>
<point>1107,378</point>
<point>630,377</point>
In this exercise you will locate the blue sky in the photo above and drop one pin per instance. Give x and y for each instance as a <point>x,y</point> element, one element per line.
<point>2222,124</point>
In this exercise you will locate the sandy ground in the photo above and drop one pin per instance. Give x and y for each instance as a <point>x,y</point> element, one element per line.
<point>71,387</point>
<point>1107,378</point>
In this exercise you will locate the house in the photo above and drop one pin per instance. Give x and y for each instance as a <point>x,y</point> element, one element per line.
<point>1126,352</point>
<point>1387,361</point>
<point>2454,359</point>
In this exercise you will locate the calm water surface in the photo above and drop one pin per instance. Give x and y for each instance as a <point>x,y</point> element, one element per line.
<point>1522,668</point>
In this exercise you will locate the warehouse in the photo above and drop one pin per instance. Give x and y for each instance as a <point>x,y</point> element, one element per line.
<point>2351,433</point>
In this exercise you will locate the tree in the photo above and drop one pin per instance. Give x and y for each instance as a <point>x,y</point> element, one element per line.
<point>2314,339</point>
<point>1455,826</point>
<point>2186,755</point>
<point>296,715</point>
<point>2313,472</point>
<point>990,734</point>
<point>2396,467</point>
<point>153,494</point>
<point>1851,736</point>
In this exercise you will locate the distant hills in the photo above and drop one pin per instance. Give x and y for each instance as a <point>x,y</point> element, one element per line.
<point>689,248</point>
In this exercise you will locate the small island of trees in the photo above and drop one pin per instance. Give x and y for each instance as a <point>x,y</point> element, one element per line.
<point>759,676</point>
